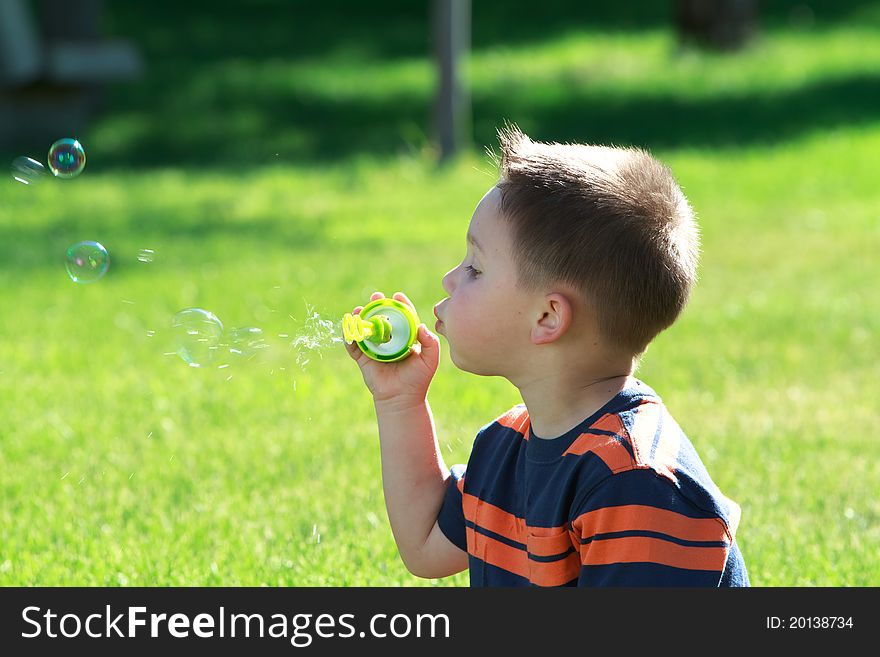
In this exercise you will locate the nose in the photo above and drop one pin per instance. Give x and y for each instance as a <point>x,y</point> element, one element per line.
<point>448,281</point>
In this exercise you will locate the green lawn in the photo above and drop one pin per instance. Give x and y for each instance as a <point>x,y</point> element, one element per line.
<point>122,466</point>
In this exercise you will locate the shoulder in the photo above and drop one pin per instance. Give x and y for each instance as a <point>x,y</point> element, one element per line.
<point>640,436</point>
<point>642,458</point>
<point>512,425</point>
<point>516,419</point>
<point>637,528</point>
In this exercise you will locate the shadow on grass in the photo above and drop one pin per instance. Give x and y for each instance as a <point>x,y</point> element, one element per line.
<point>204,30</point>
<point>295,128</point>
<point>25,248</point>
<point>673,122</point>
<point>185,113</point>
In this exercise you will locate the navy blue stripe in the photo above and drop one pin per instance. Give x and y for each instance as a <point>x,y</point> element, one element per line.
<point>552,558</point>
<point>646,574</point>
<point>650,534</point>
<point>485,574</point>
<point>626,444</point>
<point>640,486</point>
<point>497,537</point>
<point>657,433</point>
<point>502,429</point>
<point>518,545</point>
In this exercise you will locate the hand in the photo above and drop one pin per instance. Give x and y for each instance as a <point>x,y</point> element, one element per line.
<point>404,381</point>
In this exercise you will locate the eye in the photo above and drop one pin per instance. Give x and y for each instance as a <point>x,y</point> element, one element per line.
<point>473,273</point>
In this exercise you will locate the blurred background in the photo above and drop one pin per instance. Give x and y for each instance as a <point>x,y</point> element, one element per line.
<point>279,161</point>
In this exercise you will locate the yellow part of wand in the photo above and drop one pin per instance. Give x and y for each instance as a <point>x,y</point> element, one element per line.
<point>376,329</point>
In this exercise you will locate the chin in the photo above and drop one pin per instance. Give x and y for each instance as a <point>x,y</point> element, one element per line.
<point>470,366</point>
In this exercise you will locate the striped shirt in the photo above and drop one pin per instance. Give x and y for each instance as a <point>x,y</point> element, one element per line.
<point>622,499</point>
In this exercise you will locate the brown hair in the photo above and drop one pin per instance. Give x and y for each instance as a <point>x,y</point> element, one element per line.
<point>611,222</point>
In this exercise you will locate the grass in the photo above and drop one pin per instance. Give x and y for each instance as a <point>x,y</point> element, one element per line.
<point>122,466</point>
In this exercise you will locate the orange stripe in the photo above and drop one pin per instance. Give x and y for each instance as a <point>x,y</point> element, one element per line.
<point>497,553</point>
<point>640,549</point>
<point>543,545</point>
<point>511,559</point>
<point>609,422</point>
<point>607,448</point>
<point>644,429</point>
<point>517,419</point>
<point>495,519</point>
<point>555,573</point>
<point>498,521</point>
<point>665,459</point>
<point>637,517</point>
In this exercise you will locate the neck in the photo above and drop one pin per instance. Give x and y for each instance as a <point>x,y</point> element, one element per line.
<point>557,404</point>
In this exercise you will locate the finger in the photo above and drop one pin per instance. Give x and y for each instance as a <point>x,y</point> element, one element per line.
<point>430,346</point>
<point>376,295</point>
<point>400,296</point>
<point>357,310</point>
<point>354,351</point>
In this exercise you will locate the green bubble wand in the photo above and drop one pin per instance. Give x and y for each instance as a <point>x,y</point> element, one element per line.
<point>385,330</point>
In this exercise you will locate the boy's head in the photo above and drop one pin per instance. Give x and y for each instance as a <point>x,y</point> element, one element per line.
<point>588,250</point>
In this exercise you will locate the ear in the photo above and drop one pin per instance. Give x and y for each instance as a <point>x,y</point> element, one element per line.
<point>554,319</point>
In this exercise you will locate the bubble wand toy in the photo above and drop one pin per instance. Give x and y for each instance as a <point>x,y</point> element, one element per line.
<point>385,330</point>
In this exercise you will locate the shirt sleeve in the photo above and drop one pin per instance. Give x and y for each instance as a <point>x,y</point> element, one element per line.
<point>636,529</point>
<point>451,517</point>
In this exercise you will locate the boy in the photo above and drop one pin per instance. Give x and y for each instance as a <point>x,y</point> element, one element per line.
<point>576,259</point>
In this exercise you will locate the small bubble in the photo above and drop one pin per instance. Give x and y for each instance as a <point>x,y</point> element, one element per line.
<point>197,335</point>
<point>87,262</point>
<point>67,158</point>
<point>27,171</point>
<point>246,341</point>
<point>146,255</point>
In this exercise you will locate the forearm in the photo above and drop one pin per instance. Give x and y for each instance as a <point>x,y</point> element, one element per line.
<point>413,474</point>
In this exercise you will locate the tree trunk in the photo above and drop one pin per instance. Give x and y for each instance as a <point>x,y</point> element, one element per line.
<point>717,24</point>
<point>451,36</point>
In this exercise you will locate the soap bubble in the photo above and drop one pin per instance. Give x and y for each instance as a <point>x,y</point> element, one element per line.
<point>197,334</point>
<point>67,158</point>
<point>27,171</point>
<point>246,341</point>
<point>87,262</point>
<point>146,255</point>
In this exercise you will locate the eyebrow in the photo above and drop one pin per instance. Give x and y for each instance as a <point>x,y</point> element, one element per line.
<point>473,240</point>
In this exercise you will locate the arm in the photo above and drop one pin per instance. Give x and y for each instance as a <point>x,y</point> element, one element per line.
<point>414,480</point>
<point>414,476</point>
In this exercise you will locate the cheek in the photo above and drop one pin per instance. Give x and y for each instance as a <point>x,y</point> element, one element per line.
<point>475,312</point>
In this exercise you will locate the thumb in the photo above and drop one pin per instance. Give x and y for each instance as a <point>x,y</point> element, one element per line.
<point>430,346</point>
